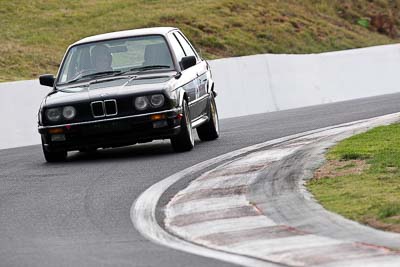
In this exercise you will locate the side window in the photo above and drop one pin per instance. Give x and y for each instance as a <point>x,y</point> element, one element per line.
<point>186,46</point>
<point>179,53</point>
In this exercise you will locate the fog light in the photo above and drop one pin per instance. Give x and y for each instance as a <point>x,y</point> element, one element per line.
<point>58,137</point>
<point>56,130</point>
<point>159,124</point>
<point>157,117</point>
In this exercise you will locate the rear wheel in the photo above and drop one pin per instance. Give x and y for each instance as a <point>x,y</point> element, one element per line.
<point>54,156</point>
<point>184,141</point>
<point>210,130</point>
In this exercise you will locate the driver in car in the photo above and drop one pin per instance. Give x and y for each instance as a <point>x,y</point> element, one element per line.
<point>101,58</point>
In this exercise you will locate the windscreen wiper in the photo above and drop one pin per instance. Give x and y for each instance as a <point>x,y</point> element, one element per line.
<point>145,68</point>
<point>95,74</point>
<point>101,73</point>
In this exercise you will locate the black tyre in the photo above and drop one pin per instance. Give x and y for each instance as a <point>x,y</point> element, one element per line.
<point>54,156</point>
<point>210,130</point>
<point>184,141</point>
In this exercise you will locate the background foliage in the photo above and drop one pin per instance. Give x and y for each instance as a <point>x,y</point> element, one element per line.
<point>34,34</point>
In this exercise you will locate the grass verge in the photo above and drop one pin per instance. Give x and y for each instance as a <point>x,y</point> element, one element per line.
<point>361,178</point>
<point>34,34</point>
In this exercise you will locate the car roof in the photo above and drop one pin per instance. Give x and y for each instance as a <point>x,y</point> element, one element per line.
<point>128,33</point>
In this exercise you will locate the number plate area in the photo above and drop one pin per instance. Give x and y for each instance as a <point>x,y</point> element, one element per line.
<point>108,127</point>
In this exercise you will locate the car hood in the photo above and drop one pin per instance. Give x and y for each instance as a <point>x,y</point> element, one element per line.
<point>107,89</point>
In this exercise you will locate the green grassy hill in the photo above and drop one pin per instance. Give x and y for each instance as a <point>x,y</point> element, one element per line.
<point>361,178</point>
<point>34,34</point>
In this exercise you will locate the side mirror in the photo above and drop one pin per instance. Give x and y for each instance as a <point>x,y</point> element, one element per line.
<point>188,62</point>
<point>47,80</point>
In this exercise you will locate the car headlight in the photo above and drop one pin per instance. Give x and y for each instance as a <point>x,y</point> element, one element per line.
<point>141,103</point>
<point>157,100</point>
<point>69,112</point>
<point>53,114</point>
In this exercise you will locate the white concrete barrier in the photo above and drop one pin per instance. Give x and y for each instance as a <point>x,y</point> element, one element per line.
<point>246,85</point>
<point>264,83</point>
<point>19,105</point>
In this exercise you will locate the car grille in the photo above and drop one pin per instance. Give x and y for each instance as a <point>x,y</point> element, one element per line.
<point>98,109</point>
<point>111,107</point>
<point>104,108</point>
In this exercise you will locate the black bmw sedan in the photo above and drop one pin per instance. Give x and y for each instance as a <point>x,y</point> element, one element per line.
<point>128,87</point>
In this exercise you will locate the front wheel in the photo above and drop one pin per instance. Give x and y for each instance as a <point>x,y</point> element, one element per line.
<point>184,141</point>
<point>210,130</point>
<point>54,156</point>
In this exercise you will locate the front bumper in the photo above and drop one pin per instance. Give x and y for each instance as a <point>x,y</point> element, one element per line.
<point>111,132</point>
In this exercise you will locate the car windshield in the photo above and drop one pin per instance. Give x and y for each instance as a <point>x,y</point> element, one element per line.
<point>114,57</point>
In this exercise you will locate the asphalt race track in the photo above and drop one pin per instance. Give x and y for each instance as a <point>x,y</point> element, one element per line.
<point>77,213</point>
